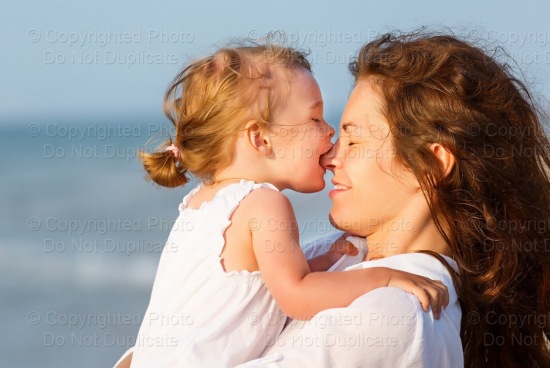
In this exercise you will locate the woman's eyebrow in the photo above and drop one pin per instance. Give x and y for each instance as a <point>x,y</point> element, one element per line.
<point>347,126</point>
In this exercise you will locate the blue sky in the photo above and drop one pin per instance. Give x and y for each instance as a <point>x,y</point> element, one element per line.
<point>111,61</point>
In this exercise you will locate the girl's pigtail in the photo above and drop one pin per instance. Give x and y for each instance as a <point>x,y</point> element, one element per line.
<point>165,167</point>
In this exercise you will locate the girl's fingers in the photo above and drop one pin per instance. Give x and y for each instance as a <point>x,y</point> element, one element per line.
<point>439,296</point>
<point>350,249</point>
<point>423,297</point>
<point>345,247</point>
<point>430,293</point>
<point>443,290</point>
<point>435,302</point>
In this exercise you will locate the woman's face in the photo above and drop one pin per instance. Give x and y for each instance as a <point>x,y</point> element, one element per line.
<point>372,192</point>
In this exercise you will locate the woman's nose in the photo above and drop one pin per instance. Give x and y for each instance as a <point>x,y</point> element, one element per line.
<point>329,158</point>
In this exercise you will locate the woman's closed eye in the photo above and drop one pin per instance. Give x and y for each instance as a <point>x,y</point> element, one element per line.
<point>354,142</point>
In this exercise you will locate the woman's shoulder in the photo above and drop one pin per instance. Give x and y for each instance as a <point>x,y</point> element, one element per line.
<point>419,263</point>
<point>385,327</point>
<point>402,314</point>
<point>397,318</point>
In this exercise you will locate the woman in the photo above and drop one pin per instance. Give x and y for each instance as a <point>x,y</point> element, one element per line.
<point>441,152</point>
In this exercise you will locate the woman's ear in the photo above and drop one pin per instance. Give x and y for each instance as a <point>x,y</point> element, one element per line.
<point>257,137</point>
<point>446,159</point>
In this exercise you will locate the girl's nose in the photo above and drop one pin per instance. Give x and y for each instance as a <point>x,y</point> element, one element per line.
<point>331,131</point>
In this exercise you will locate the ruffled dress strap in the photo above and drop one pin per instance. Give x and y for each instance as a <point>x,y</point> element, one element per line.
<point>218,211</point>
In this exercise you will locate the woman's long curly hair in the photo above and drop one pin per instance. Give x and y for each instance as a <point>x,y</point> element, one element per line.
<point>493,208</point>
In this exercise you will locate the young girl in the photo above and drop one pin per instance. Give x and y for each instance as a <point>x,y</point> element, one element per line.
<point>249,123</point>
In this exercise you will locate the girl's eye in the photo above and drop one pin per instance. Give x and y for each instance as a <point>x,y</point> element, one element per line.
<point>316,120</point>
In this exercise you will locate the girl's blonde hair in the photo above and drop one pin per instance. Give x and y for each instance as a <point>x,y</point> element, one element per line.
<point>211,100</point>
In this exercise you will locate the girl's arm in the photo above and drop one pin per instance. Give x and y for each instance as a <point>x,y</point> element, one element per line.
<point>301,293</point>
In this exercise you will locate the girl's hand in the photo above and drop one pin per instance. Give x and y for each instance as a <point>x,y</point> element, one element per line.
<point>342,247</point>
<point>429,292</point>
<point>339,248</point>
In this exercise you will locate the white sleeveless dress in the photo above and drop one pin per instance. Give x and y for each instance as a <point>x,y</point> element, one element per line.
<point>199,315</point>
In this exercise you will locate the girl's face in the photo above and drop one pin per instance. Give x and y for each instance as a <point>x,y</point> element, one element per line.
<point>372,192</point>
<point>300,135</point>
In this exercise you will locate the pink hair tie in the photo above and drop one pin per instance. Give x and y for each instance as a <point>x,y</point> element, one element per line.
<point>175,151</point>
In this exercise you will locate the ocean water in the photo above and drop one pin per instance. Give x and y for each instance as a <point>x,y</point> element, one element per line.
<point>82,232</point>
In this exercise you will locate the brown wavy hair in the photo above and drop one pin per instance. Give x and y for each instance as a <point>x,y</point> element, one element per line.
<point>211,100</point>
<point>493,208</point>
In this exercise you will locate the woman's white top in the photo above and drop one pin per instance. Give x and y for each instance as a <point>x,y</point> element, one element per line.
<point>383,328</point>
<point>199,315</point>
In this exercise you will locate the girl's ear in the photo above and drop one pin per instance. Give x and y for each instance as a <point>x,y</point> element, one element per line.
<point>446,159</point>
<point>258,138</point>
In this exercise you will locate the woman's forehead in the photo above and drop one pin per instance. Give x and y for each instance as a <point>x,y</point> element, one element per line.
<point>362,115</point>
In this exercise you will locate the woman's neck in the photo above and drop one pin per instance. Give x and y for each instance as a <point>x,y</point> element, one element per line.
<point>385,241</point>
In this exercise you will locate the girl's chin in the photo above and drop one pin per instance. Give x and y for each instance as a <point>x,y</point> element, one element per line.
<point>312,187</point>
<point>316,185</point>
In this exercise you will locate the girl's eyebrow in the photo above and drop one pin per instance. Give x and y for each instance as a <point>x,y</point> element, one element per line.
<point>315,104</point>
